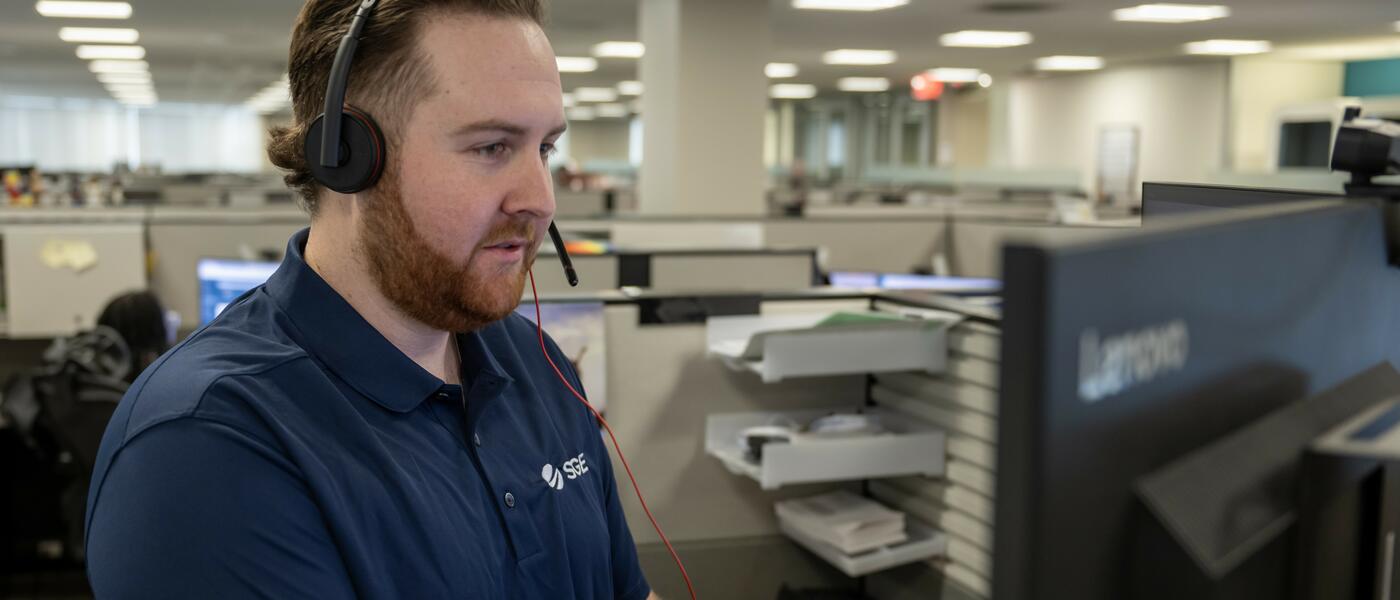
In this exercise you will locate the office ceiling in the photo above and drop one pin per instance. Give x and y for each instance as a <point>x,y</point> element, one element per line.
<point>225,51</point>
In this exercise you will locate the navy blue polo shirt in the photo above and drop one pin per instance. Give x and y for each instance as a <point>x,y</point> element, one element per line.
<point>288,450</point>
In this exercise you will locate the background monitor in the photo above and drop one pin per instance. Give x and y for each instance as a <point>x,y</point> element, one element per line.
<point>1167,199</point>
<point>222,280</point>
<point>909,281</point>
<point>1124,356</point>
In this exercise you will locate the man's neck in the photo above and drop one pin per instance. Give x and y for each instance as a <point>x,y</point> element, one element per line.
<point>435,350</point>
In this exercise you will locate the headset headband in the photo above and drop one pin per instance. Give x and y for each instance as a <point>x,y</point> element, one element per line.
<point>335,88</point>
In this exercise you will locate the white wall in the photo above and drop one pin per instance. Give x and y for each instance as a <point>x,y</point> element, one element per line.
<point>1180,110</point>
<point>1259,87</point>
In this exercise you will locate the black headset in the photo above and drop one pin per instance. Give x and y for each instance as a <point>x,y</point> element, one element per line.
<point>344,148</point>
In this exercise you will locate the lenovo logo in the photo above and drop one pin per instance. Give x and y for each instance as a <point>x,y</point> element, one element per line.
<point>1110,366</point>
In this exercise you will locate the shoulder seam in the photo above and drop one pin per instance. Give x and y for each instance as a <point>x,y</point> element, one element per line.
<point>128,434</point>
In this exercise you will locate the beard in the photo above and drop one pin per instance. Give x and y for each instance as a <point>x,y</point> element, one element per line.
<point>428,286</point>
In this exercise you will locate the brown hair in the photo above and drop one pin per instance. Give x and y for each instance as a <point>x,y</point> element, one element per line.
<point>386,78</point>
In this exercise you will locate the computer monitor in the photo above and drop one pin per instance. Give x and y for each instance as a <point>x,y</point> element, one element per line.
<point>1123,360</point>
<point>910,281</point>
<point>1170,199</point>
<point>222,280</point>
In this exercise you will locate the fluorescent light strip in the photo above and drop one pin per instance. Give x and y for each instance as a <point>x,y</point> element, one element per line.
<point>1068,63</point>
<point>792,91</point>
<point>99,35</point>
<point>84,10</point>
<point>576,64</point>
<point>118,66</point>
<point>849,5</point>
<point>1171,13</point>
<point>124,77</point>
<point>985,39</point>
<point>780,70</point>
<point>955,75</point>
<point>613,111</point>
<point>569,101</point>
<point>863,84</point>
<point>87,52</point>
<point>1228,47</point>
<point>581,113</point>
<point>619,50</point>
<point>146,86</point>
<point>630,88</point>
<point>595,94</point>
<point>848,56</point>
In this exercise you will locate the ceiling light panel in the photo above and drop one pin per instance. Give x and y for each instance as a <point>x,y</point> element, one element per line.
<point>118,66</point>
<point>576,64</point>
<point>985,39</point>
<point>84,10</point>
<point>595,94</point>
<point>619,50</point>
<point>1228,47</point>
<point>780,70</point>
<point>794,91</point>
<point>630,88</point>
<point>582,113</point>
<point>1171,13</point>
<point>143,77</point>
<point>848,56</point>
<point>87,52</point>
<point>1068,63</point>
<point>613,111</point>
<point>99,35</point>
<point>848,5</point>
<point>955,74</point>
<point>863,84</point>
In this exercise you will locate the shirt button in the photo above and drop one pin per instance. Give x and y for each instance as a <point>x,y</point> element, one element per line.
<point>476,439</point>
<point>510,500</point>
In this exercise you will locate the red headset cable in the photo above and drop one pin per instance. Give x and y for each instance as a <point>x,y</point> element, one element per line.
<point>539,328</point>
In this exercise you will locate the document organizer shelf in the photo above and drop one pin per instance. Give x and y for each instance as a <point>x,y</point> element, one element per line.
<point>910,449</point>
<point>778,347</point>
<point>923,544</point>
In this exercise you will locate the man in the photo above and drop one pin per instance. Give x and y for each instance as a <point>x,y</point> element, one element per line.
<point>375,421</point>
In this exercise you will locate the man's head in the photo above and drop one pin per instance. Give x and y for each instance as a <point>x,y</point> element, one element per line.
<point>468,96</point>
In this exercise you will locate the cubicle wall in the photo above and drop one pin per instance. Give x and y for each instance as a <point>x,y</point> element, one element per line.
<point>662,386</point>
<point>179,238</point>
<point>58,277</point>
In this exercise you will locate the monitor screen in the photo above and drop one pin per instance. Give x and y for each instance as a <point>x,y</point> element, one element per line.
<point>1169,199</point>
<point>907,281</point>
<point>222,280</point>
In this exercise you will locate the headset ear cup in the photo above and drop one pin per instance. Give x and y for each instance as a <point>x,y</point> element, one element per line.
<point>362,153</point>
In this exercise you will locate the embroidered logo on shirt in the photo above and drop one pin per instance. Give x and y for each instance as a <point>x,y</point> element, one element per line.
<point>572,469</point>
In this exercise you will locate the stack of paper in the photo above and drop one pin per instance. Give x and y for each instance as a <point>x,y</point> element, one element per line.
<point>844,520</point>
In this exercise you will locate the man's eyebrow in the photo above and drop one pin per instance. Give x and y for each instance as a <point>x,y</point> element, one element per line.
<point>502,126</point>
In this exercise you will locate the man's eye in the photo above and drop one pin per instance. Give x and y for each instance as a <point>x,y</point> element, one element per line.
<point>548,150</point>
<point>491,150</point>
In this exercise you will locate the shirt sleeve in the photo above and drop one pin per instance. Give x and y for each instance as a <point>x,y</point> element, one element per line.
<point>193,508</point>
<point>629,583</point>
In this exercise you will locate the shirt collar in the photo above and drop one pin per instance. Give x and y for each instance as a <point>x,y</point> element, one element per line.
<point>330,329</point>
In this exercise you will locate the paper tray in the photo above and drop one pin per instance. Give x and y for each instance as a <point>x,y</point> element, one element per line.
<point>792,347</point>
<point>912,449</point>
<point>923,543</point>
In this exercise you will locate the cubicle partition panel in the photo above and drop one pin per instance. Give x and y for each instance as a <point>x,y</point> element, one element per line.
<point>724,269</point>
<point>661,387</point>
<point>58,277</point>
<point>177,242</point>
<point>664,385</point>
